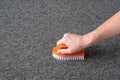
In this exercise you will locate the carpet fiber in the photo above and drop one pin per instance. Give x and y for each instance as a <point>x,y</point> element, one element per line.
<point>29,29</point>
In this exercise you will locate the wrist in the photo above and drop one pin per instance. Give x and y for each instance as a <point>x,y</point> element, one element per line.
<point>90,38</point>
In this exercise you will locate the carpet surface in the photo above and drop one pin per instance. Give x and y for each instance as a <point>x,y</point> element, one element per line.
<point>29,29</point>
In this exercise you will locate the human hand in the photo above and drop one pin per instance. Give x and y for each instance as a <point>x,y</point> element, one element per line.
<point>74,42</point>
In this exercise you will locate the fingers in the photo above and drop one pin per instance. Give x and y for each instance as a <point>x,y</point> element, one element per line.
<point>74,42</point>
<point>66,51</point>
<point>66,34</point>
<point>63,40</point>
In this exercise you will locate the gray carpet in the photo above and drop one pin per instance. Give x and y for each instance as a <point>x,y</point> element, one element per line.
<point>29,29</point>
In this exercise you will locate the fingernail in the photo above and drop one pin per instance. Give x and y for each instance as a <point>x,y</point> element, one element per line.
<point>57,44</point>
<point>58,51</point>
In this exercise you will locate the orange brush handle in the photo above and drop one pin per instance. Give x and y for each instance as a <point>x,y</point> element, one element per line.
<point>63,46</point>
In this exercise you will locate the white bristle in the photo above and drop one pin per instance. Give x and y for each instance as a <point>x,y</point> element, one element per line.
<point>68,58</point>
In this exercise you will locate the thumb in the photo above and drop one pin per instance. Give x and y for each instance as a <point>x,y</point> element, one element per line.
<point>64,51</point>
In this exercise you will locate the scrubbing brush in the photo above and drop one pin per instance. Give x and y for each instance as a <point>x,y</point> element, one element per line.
<point>60,56</point>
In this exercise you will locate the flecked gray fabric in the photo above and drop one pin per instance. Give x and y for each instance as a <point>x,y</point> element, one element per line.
<point>29,30</point>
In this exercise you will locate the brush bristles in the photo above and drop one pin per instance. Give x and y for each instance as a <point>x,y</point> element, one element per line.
<point>68,58</point>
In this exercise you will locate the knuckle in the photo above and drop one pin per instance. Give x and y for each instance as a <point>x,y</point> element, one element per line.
<point>66,34</point>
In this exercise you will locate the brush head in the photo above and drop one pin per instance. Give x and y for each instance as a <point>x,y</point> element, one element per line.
<point>62,56</point>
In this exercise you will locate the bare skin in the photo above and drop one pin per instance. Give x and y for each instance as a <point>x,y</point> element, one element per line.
<point>77,42</point>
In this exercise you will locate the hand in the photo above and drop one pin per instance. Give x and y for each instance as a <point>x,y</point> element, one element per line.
<point>74,43</point>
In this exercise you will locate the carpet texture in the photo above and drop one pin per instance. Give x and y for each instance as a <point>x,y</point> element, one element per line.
<point>29,29</point>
